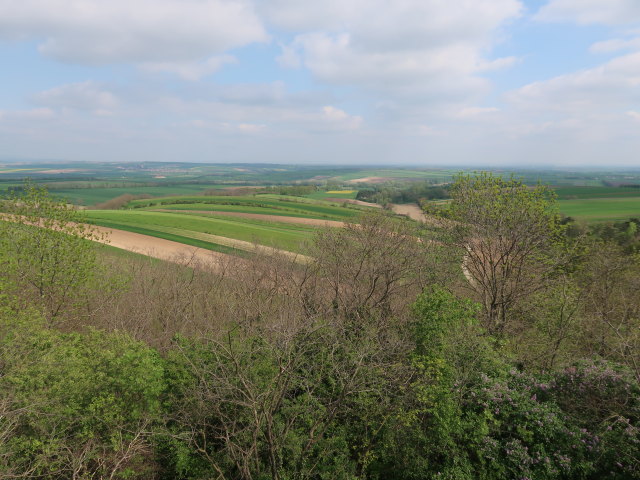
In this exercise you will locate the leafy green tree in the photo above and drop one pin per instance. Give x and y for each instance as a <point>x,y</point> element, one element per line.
<point>506,231</point>
<point>45,250</point>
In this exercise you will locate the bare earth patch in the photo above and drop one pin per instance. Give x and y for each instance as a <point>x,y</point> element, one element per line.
<point>410,210</point>
<point>370,180</point>
<point>164,249</point>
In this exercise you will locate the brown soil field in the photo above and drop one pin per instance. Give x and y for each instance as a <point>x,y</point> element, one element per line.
<point>411,210</point>
<point>165,249</point>
<point>370,180</point>
<point>263,216</point>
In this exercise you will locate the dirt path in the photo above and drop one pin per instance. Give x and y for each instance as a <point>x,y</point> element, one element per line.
<point>263,216</point>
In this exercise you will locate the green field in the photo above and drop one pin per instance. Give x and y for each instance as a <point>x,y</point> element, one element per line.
<point>321,195</point>
<point>265,204</point>
<point>601,209</point>
<point>205,230</point>
<point>588,195</point>
<point>570,193</point>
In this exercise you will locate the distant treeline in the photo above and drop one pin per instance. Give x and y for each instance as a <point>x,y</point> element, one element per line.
<point>414,193</point>
<point>608,183</point>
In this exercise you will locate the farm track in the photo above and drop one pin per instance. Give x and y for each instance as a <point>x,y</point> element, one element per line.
<point>262,216</point>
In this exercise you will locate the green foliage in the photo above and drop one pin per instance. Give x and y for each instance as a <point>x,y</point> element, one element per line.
<point>80,405</point>
<point>496,205</point>
<point>326,373</point>
<point>44,250</point>
<point>471,415</point>
<point>254,409</point>
<point>603,400</point>
<point>508,233</point>
<point>624,233</point>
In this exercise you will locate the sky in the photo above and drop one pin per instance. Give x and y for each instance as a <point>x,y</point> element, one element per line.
<point>526,83</point>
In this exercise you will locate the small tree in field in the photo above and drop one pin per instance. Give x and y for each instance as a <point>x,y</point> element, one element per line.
<point>45,249</point>
<point>506,231</point>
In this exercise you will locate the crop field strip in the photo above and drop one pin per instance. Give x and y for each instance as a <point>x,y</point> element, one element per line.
<point>169,236</point>
<point>273,211</point>
<point>268,204</point>
<point>206,228</point>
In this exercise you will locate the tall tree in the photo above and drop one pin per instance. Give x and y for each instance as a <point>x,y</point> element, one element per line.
<point>506,231</point>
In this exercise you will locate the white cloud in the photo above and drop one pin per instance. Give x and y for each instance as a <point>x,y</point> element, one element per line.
<point>116,31</point>
<point>251,127</point>
<point>581,118</point>
<point>609,87</point>
<point>191,71</point>
<point>585,12</point>
<point>340,118</point>
<point>405,48</point>
<point>86,96</point>
<point>298,16</point>
<point>634,115</point>
<point>33,114</point>
<point>615,45</point>
<point>229,128</point>
<point>474,112</point>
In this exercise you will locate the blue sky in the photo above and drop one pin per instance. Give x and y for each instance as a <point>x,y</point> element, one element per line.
<point>406,82</point>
